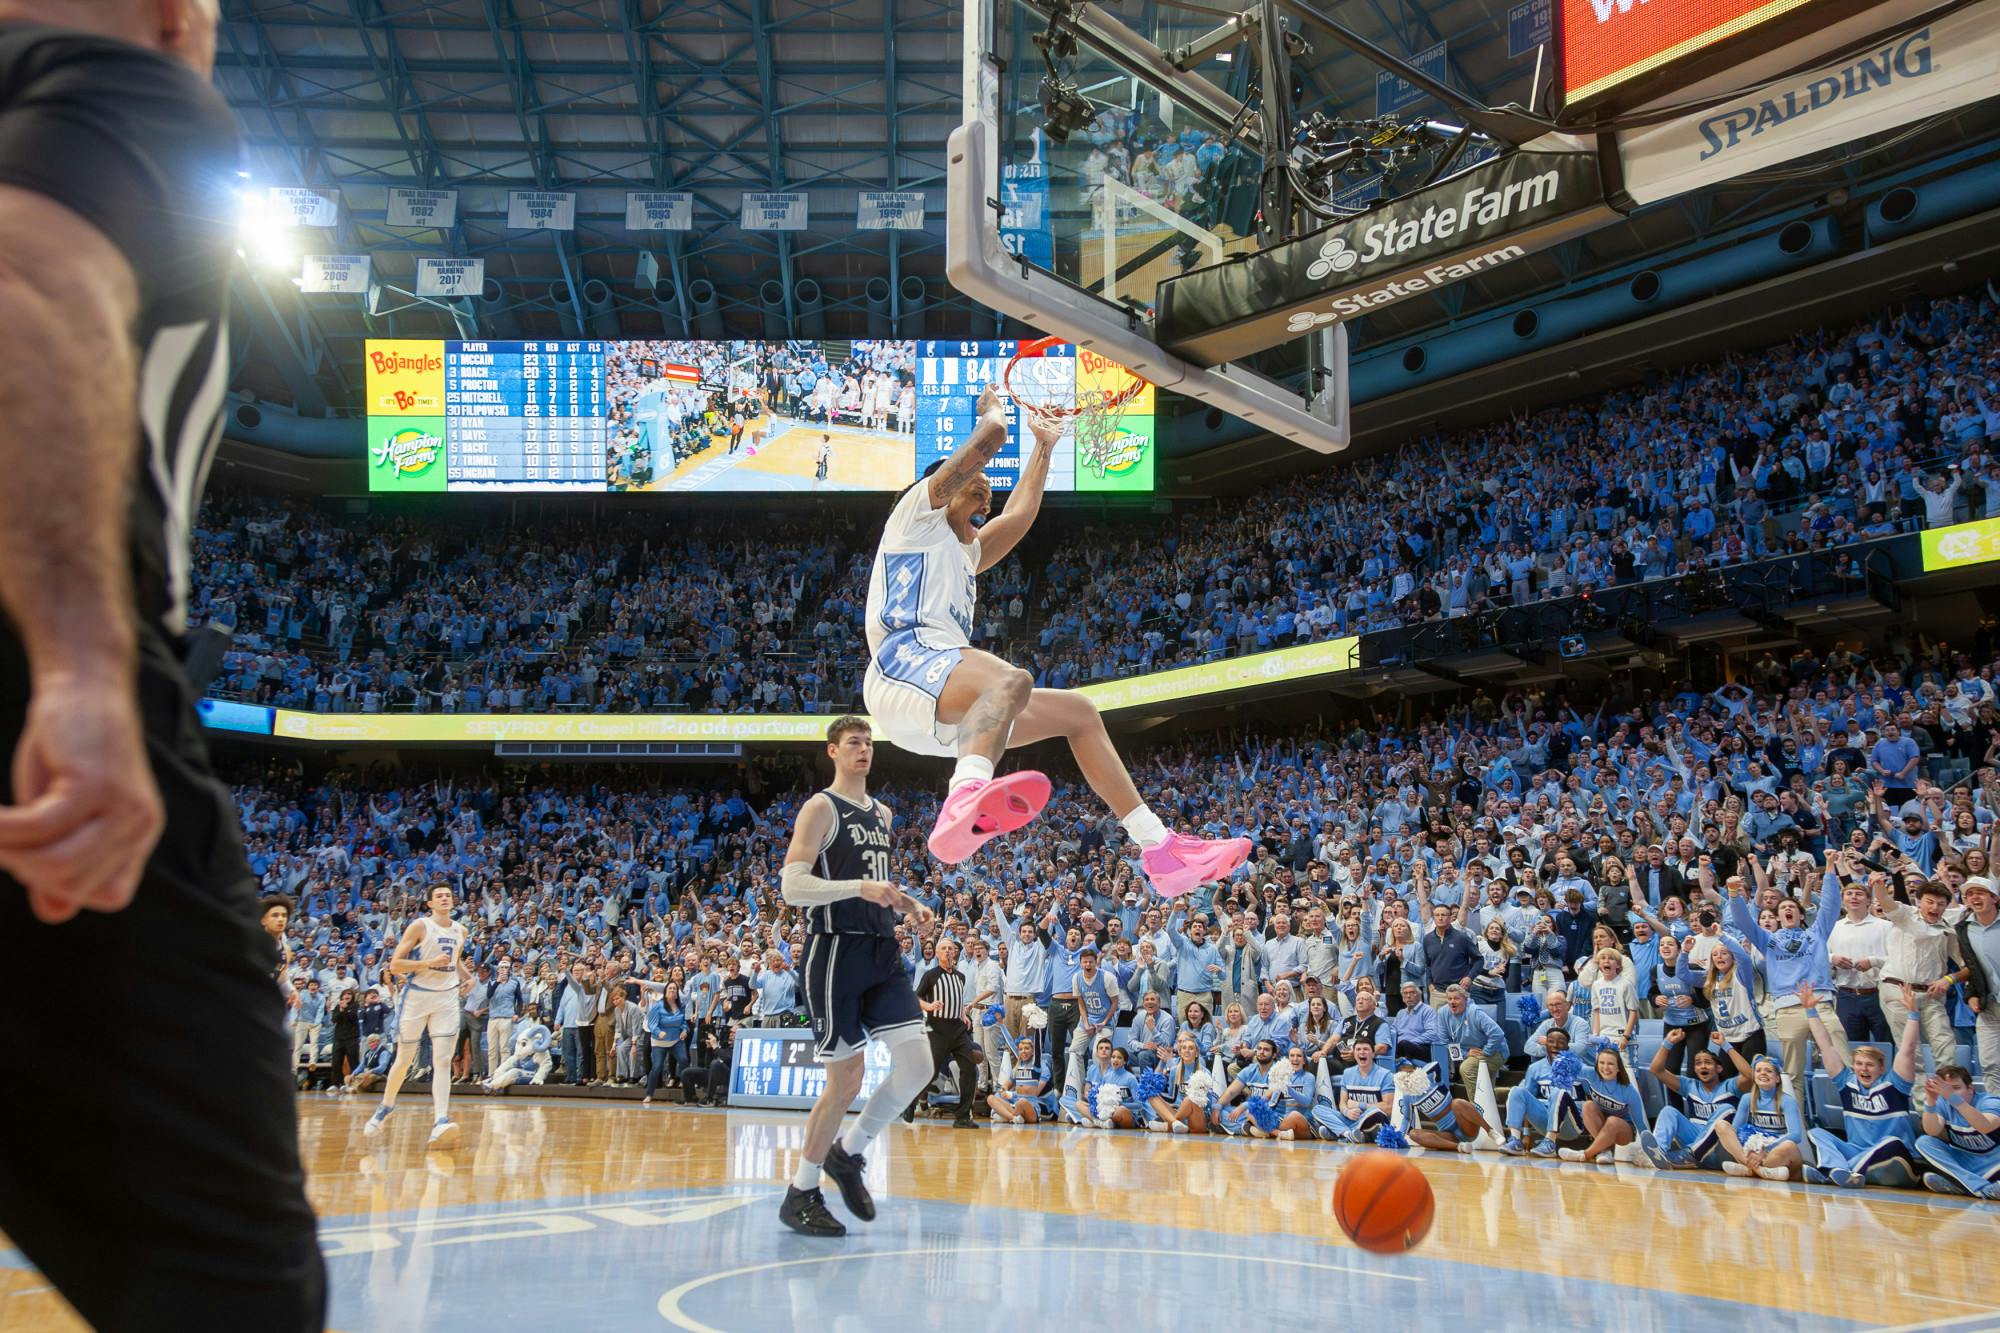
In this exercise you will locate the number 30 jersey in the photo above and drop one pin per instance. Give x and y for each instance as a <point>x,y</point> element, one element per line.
<point>856,848</point>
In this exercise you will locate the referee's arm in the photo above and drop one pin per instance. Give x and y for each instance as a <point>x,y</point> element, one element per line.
<point>88,812</point>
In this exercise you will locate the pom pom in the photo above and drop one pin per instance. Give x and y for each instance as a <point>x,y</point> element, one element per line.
<point>1412,1082</point>
<point>1262,1114</point>
<point>1152,1084</point>
<point>1528,1008</point>
<point>1201,1086</point>
<point>1108,1098</point>
<point>992,1016</point>
<point>1395,1140</point>
<point>1564,1071</point>
<point>1034,1016</point>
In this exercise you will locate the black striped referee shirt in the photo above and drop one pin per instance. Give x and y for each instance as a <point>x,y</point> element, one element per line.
<point>937,985</point>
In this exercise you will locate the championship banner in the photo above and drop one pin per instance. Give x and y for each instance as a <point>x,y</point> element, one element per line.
<point>541,210</point>
<point>451,277</point>
<point>1529,25</point>
<point>890,210</point>
<point>305,208</point>
<point>422,208</point>
<point>659,211</point>
<point>336,273</point>
<point>774,212</point>
<point>1475,221</point>
<point>1393,92</point>
<point>1951,63</point>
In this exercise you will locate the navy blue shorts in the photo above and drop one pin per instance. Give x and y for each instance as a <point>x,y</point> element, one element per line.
<point>856,989</point>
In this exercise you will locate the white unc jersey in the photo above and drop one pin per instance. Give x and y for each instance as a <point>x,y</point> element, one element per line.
<point>439,942</point>
<point>925,581</point>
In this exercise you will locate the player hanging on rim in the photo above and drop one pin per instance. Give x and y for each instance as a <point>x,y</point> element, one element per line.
<point>432,954</point>
<point>932,693</point>
<point>837,872</point>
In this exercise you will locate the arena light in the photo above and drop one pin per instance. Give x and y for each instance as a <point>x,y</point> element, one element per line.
<point>264,236</point>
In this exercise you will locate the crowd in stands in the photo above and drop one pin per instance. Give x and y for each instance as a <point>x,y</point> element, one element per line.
<point>1667,922</point>
<point>1831,439</point>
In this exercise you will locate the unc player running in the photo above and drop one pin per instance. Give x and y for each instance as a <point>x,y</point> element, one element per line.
<point>932,693</point>
<point>432,954</point>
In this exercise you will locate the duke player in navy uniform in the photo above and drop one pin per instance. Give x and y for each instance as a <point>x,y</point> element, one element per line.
<point>837,872</point>
<point>158,1185</point>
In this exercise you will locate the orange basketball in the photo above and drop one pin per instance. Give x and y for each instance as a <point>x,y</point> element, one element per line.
<point>1383,1203</point>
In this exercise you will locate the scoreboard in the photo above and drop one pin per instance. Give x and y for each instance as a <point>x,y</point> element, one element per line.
<point>950,376</point>
<point>776,1068</point>
<point>751,415</point>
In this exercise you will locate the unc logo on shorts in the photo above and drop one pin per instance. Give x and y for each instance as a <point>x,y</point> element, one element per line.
<point>1334,257</point>
<point>937,671</point>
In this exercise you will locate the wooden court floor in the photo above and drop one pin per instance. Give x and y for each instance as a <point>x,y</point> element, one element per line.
<point>579,1215</point>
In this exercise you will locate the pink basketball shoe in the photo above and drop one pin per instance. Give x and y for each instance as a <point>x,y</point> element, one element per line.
<point>1182,864</point>
<point>979,812</point>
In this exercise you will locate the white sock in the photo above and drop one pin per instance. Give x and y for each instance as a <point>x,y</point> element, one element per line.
<point>1144,826</point>
<point>971,768</point>
<point>441,1093</point>
<point>806,1177</point>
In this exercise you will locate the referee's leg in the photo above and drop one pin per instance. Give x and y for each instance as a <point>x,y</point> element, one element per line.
<point>159,1187</point>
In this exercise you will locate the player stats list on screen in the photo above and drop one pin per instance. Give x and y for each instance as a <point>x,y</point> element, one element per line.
<point>463,415</point>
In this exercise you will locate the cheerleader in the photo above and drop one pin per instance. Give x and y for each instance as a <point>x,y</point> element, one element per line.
<point>1610,1105</point>
<point>1294,1092</point>
<point>1763,1139</point>
<point>1170,1106</point>
<point>1687,1141</point>
<point>1115,1110</point>
<point>1253,1080</point>
<point>1435,1119</point>
<point>1079,1103</point>
<point>1367,1093</point>
<point>1877,1147</point>
<point>1019,1101</point>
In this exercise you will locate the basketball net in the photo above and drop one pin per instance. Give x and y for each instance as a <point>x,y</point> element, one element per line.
<point>1091,416</point>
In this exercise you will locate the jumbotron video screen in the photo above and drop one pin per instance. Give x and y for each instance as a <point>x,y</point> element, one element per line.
<point>681,415</point>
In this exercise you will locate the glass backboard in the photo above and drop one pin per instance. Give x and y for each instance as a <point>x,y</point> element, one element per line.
<point>1152,172</point>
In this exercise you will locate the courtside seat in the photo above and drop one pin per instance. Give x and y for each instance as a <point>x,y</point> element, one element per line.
<point>1651,1094</point>
<point>1825,1110</point>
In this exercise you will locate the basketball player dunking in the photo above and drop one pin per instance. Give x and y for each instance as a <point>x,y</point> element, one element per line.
<point>432,954</point>
<point>837,872</point>
<point>932,693</point>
